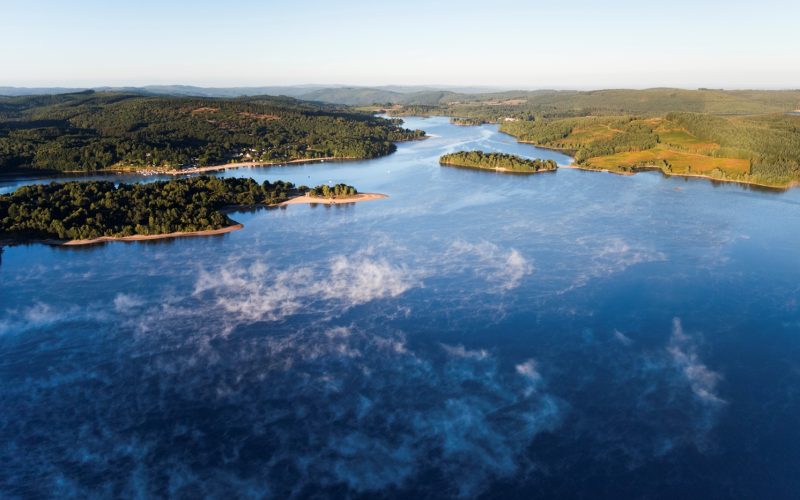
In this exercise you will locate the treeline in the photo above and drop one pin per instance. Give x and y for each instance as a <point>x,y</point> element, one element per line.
<point>90,131</point>
<point>540,131</point>
<point>556,104</point>
<point>337,191</point>
<point>771,142</point>
<point>600,136</point>
<point>635,136</point>
<point>414,110</point>
<point>466,122</point>
<point>86,210</point>
<point>496,161</point>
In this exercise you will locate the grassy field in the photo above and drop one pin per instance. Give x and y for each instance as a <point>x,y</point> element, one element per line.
<point>627,144</point>
<point>587,131</point>
<point>680,139</point>
<point>672,161</point>
<point>747,135</point>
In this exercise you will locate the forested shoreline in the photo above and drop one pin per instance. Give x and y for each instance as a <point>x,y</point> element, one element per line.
<point>95,209</point>
<point>723,135</point>
<point>747,136</point>
<point>89,131</point>
<point>761,150</point>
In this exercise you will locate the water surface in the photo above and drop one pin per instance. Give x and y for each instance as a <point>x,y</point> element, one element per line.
<point>475,334</point>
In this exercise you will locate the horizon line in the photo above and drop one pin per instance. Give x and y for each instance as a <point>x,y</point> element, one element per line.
<point>431,86</point>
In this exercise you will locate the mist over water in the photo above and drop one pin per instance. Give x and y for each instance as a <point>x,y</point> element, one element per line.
<point>475,334</point>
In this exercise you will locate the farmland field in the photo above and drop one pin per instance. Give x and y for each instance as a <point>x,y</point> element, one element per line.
<point>672,161</point>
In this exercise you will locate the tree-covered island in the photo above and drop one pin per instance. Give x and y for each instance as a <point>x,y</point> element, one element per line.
<point>466,122</point>
<point>98,209</point>
<point>498,162</point>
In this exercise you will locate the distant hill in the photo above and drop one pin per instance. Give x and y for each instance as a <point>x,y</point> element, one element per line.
<point>192,91</point>
<point>335,94</point>
<point>354,96</point>
<point>360,96</point>
<point>174,90</point>
<point>95,130</point>
<point>486,104</point>
<point>524,105</point>
<point>20,91</point>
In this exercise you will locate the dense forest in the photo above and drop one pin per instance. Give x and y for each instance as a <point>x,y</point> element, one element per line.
<point>497,161</point>
<point>86,210</point>
<point>524,105</point>
<point>492,105</point>
<point>609,135</point>
<point>89,131</point>
<point>466,122</point>
<point>771,142</point>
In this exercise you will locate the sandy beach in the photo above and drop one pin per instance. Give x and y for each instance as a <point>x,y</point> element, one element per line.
<point>144,237</point>
<point>333,201</point>
<point>227,166</point>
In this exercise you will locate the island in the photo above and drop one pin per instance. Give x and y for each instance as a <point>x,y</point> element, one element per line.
<point>466,122</point>
<point>497,162</point>
<point>78,213</point>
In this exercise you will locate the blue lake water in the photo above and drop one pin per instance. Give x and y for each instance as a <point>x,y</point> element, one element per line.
<point>570,334</point>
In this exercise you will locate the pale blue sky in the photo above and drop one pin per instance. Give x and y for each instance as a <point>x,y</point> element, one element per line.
<point>509,43</point>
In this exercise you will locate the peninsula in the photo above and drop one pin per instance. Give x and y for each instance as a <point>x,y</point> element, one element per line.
<point>77,213</point>
<point>93,131</point>
<point>332,195</point>
<point>743,136</point>
<point>497,162</point>
<point>759,151</point>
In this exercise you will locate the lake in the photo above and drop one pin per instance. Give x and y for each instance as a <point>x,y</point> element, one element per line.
<point>570,334</point>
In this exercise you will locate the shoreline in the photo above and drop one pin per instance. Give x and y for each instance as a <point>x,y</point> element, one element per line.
<point>225,166</point>
<point>498,170</point>
<point>134,237</point>
<point>565,151</point>
<point>252,164</point>
<point>773,187</point>
<point>313,200</point>
<point>210,168</point>
<point>653,168</point>
<point>297,200</point>
<point>149,237</point>
<point>575,166</point>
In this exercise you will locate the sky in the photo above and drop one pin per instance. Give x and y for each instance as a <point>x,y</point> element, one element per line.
<point>500,43</point>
